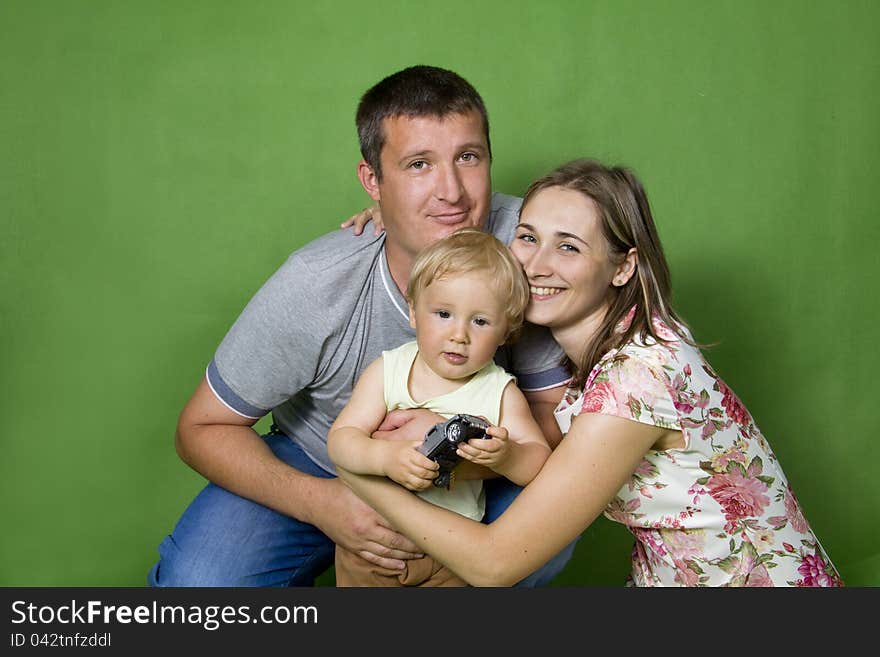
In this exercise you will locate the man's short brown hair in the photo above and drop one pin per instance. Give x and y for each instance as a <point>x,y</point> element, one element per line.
<point>416,91</point>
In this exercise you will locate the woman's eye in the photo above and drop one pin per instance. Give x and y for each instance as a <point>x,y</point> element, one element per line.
<point>571,248</point>
<point>525,237</point>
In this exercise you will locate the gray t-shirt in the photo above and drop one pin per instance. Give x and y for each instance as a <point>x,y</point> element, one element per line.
<point>331,309</point>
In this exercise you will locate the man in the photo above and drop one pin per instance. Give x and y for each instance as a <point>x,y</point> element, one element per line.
<point>274,508</point>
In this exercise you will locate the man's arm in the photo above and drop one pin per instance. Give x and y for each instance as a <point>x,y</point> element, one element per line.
<point>542,404</point>
<point>222,446</point>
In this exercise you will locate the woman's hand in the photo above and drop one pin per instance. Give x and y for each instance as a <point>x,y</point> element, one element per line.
<point>489,452</point>
<point>359,220</point>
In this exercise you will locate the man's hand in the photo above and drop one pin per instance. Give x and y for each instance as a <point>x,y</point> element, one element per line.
<point>407,424</point>
<point>351,523</point>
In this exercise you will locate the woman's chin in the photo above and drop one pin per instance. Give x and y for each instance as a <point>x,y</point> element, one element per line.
<point>539,317</point>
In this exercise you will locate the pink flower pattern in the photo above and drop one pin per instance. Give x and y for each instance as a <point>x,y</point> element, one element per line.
<point>740,496</point>
<point>734,407</point>
<point>793,511</point>
<point>602,400</point>
<point>718,512</point>
<point>815,572</point>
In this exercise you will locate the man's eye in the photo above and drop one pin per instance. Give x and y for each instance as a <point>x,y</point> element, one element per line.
<point>418,165</point>
<point>468,157</point>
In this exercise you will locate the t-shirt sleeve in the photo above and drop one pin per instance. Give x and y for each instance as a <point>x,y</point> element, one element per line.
<point>535,359</point>
<point>633,387</point>
<point>271,352</point>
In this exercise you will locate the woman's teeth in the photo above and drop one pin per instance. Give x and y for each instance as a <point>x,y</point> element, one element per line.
<point>545,291</point>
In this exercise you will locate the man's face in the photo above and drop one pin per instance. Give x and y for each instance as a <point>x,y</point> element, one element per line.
<point>435,179</point>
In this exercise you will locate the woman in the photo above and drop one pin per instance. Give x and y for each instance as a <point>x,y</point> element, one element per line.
<point>653,438</point>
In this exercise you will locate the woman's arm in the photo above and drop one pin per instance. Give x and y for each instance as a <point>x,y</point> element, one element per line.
<point>582,475</point>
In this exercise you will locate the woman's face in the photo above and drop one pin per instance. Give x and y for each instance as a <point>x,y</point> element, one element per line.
<point>560,244</point>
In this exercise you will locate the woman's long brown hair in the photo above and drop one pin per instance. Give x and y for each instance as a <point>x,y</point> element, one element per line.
<point>626,223</point>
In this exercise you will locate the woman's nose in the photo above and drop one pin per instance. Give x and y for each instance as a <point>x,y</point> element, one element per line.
<point>537,264</point>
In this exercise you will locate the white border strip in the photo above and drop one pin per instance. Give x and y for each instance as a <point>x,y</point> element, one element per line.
<point>388,289</point>
<point>221,400</point>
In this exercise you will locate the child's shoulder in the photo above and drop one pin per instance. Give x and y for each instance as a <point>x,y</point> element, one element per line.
<point>493,372</point>
<point>397,362</point>
<point>404,349</point>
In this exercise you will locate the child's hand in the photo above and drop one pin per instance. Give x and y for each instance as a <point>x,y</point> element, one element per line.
<point>408,467</point>
<point>490,452</point>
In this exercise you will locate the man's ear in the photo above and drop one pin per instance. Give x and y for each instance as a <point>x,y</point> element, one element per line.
<point>369,180</point>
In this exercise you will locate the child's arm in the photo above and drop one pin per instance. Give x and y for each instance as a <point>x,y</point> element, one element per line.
<point>517,449</point>
<point>350,446</point>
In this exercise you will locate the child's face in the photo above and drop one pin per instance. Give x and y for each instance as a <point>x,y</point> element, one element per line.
<point>460,322</point>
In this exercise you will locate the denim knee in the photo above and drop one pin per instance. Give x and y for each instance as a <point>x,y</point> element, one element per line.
<point>223,539</point>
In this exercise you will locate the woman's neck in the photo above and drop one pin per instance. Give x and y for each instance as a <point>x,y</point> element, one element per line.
<point>573,338</point>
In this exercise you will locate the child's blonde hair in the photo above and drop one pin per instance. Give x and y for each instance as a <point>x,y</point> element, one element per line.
<point>471,250</point>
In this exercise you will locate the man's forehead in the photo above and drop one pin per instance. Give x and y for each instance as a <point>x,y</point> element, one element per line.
<point>403,130</point>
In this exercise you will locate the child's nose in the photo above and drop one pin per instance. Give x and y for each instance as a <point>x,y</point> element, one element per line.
<point>459,332</point>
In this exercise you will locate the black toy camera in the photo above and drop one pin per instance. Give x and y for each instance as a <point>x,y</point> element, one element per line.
<point>443,439</point>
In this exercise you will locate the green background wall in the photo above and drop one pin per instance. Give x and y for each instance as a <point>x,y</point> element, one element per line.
<point>158,160</point>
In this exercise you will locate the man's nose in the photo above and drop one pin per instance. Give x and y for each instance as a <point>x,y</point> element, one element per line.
<point>449,186</point>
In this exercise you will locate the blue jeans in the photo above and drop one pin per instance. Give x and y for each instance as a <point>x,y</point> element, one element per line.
<point>226,540</point>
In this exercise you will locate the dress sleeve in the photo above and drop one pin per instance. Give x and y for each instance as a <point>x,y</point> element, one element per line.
<point>634,386</point>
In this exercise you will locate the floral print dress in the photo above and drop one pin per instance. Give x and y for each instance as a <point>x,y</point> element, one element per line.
<point>717,512</point>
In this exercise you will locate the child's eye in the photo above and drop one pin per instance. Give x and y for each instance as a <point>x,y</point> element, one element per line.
<point>480,321</point>
<point>443,314</point>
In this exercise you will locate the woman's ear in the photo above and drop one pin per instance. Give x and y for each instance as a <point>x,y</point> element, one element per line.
<point>626,269</point>
<point>369,180</point>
